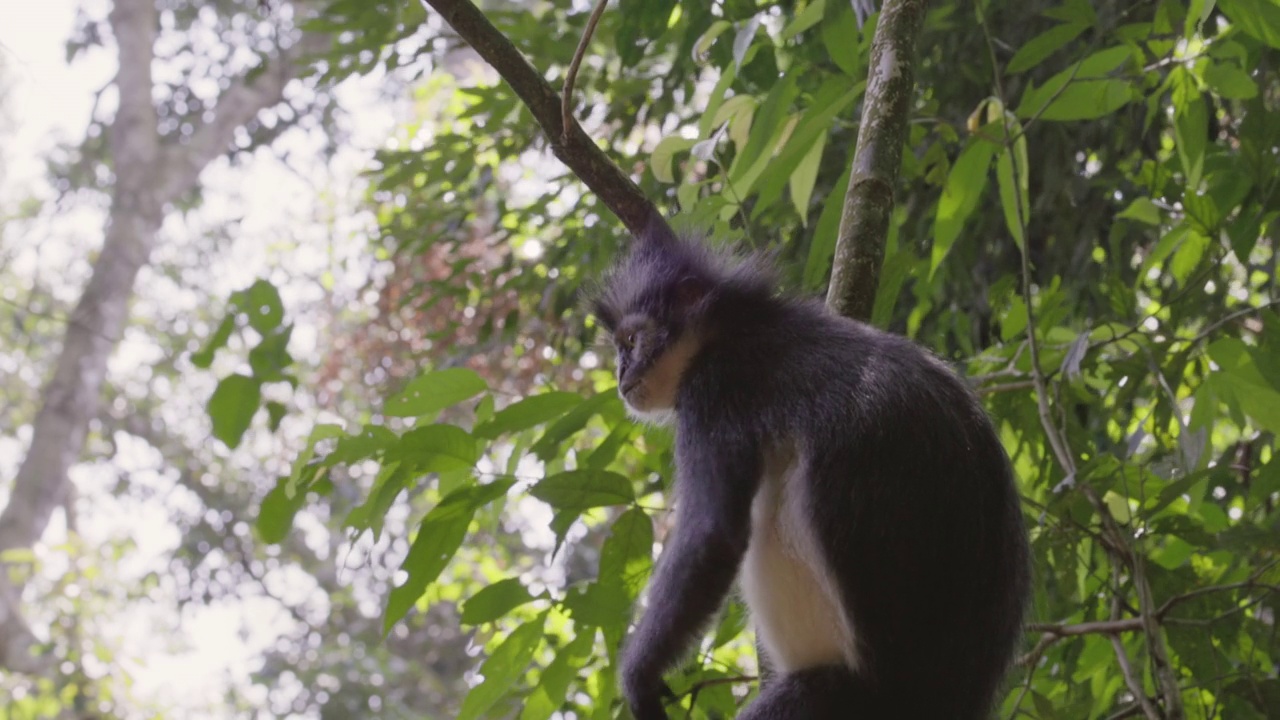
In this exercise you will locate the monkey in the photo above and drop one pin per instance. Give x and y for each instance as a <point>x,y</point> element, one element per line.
<point>845,477</point>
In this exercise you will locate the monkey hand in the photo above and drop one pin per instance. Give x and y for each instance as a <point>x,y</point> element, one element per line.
<point>645,692</point>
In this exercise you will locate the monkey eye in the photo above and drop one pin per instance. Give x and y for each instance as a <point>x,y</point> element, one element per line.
<point>628,340</point>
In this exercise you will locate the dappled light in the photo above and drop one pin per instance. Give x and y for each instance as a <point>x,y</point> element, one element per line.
<point>306,408</point>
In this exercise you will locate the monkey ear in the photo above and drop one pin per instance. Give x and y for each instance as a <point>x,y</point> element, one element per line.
<point>690,292</point>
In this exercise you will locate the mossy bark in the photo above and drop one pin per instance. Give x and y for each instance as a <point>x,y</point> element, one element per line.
<point>868,203</point>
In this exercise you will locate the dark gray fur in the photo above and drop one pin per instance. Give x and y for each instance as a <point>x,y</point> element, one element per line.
<point>912,495</point>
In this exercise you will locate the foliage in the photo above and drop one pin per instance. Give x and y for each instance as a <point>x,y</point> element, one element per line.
<point>1087,227</point>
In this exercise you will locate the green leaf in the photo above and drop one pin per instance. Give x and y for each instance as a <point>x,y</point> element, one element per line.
<point>270,358</point>
<point>1081,92</point>
<point>965,183</point>
<point>18,556</point>
<point>439,536</point>
<point>705,149</point>
<point>1203,211</point>
<point>804,177</point>
<point>661,159</point>
<point>1229,81</point>
<point>893,274</point>
<point>639,22</point>
<point>1015,198</point>
<point>812,128</point>
<point>732,623</point>
<point>765,127</point>
<point>627,554</point>
<point>1259,18</point>
<point>1188,256</point>
<point>601,604</point>
<point>370,514</point>
<point>606,684</point>
<point>494,601</point>
<point>232,406</point>
<point>806,19</point>
<point>739,111</point>
<point>1081,100</point>
<point>1191,128</point>
<point>261,302</point>
<point>275,515</point>
<point>571,422</point>
<point>1039,48</point>
<point>1015,321</point>
<point>436,448</point>
<point>275,414</point>
<point>204,358</point>
<point>302,463</point>
<point>1080,12</point>
<point>842,40</point>
<point>553,686</point>
<point>529,412</point>
<point>583,489</point>
<point>370,442</point>
<point>823,247</point>
<point>433,391</point>
<point>708,38</point>
<point>1240,376</point>
<point>504,668</point>
<point>437,541</point>
<point>1142,210</point>
<point>607,450</point>
<point>1163,249</point>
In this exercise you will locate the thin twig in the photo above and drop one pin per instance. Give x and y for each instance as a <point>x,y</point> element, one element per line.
<point>697,687</point>
<point>1118,544</point>
<point>566,95</point>
<point>1131,679</point>
<point>1006,387</point>
<point>1213,327</point>
<point>571,145</point>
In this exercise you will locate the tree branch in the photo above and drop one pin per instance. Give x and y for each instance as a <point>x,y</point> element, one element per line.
<point>134,130</point>
<point>868,203</point>
<point>566,94</point>
<point>1118,543</point>
<point>144,182</point>
<point>237,105</point>
<point>571,145</point>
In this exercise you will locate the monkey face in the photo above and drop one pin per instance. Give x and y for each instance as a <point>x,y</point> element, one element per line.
<point>652,304</point>
<point>651,361</point>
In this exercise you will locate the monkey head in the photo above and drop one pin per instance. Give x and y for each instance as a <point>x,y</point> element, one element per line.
<point>659,306</point>
<point>651,314</point>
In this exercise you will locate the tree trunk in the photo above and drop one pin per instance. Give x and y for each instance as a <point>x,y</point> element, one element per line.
<point>147,178</point>
<point>868,203</point>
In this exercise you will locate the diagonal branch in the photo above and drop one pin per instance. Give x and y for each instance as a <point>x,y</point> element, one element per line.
<point>133,132</point>
<point>571,145</point>
<point>236,106</point>
<point>145,181</point>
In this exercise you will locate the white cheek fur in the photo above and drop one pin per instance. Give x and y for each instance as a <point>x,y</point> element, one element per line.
<point>650,415</point>
<point>655,399</point>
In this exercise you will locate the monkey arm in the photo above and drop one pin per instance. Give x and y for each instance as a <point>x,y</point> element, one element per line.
<point>713,527</point>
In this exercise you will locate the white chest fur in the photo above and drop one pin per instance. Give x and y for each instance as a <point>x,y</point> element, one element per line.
<point>794,601</point>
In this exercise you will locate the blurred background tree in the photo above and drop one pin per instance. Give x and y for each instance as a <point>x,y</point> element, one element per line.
<point>410,430</point>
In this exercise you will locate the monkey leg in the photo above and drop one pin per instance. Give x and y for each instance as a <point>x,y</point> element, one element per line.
<point>821,693</point>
